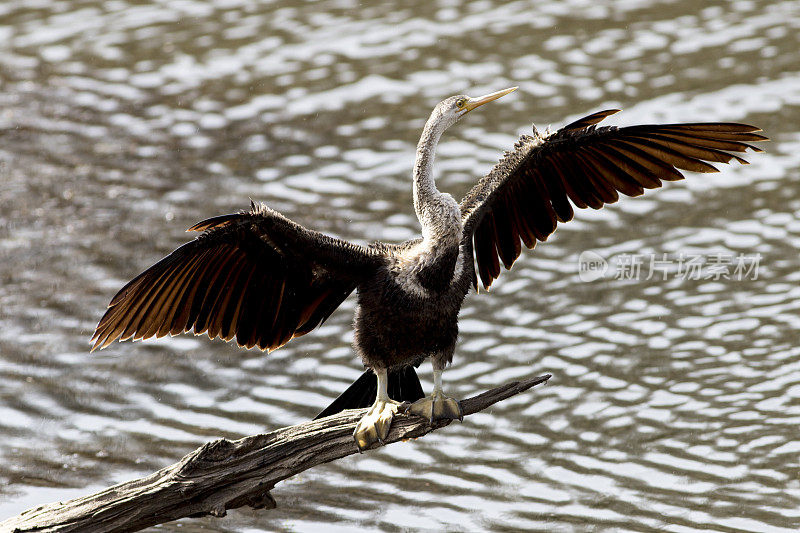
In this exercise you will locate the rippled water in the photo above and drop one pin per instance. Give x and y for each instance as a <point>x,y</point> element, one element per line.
<point>674,404</point>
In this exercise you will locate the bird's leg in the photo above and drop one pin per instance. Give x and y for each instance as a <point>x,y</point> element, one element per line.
<point>374,426</point>
<point>437,406</point>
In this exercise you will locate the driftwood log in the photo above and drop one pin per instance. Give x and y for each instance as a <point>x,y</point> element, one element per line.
<point>226,474</point>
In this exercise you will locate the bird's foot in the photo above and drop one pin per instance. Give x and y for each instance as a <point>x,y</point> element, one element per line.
<point>374,426</point>
<point>435,407</point>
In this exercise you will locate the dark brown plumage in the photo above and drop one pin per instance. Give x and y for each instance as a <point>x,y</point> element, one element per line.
<point>262,279</point>
<point>527,192</point>
<point>254,276</point>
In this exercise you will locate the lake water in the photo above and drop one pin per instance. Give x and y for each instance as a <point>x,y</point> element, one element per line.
<point>674,403</point>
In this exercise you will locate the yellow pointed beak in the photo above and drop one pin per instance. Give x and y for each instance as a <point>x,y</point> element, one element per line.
<point>472,103</point>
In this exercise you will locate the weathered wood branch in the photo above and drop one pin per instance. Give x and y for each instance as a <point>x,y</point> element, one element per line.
<point>226,474</point>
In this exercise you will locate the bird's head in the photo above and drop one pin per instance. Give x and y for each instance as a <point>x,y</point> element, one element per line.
<point>448,111</point>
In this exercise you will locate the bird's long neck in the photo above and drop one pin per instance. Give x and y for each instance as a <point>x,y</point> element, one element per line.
<point>429,203</point>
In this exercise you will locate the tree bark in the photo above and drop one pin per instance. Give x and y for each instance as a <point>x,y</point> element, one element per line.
<point>226,474</point>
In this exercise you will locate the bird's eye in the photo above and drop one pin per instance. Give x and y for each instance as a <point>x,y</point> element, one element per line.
<point>461,102</point>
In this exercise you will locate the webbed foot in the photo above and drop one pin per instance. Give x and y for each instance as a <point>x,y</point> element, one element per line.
<point>374,426</point>
<point>437,406</point>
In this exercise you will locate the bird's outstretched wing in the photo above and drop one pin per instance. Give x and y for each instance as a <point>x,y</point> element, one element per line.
<point>254,275</point>
<point>530,189</point>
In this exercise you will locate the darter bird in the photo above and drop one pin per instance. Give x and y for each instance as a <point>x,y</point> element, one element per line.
<point>257,277</point>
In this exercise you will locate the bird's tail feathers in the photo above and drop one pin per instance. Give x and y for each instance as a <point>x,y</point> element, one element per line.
<point>403,386</point>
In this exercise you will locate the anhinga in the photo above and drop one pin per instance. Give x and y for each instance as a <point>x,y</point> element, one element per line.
<point>262,279</point>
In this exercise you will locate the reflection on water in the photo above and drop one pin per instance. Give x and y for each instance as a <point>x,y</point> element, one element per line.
<point>674,403</point>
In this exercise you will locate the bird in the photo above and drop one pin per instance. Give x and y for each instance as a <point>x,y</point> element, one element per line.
<point>259,278</point>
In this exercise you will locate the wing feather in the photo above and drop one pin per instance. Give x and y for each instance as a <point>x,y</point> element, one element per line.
<point>485,254</point>
<point>735,145</point>
<point>664,152</point>
<point>185,311</point>
<point>254,276</point>
<point>602,177</point>
<point>525,225</point>
<point>562,173</point>
<point>694,149</point>
<point>506,236</point>
<point>660,170</point>
<point>162,322</point>
<point>627,182</point>
<point>535,185</point>
<point>553,190</point>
